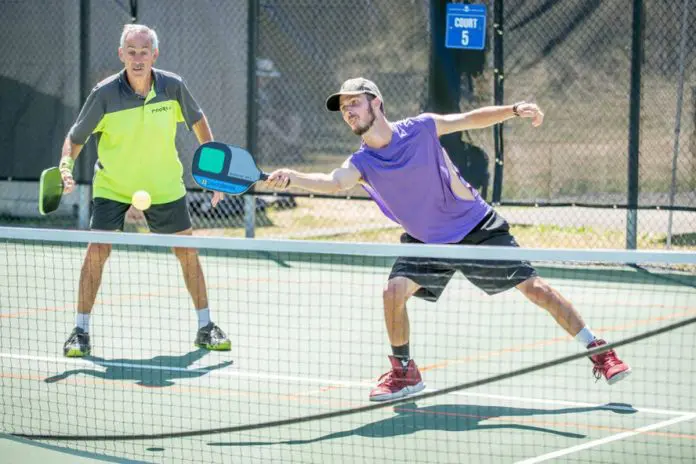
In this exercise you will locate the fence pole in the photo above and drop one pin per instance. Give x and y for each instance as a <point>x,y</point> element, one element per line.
<point>498,95</point>
<point>82,164</point>
<point>134,11</point>
<point>677,124</point>
<point>252,113</point>
<point>634,126</point>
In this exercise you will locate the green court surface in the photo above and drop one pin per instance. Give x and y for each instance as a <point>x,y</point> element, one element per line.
<point>308,337</point>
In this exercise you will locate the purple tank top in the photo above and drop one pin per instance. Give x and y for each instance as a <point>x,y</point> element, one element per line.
<point>410,182</point>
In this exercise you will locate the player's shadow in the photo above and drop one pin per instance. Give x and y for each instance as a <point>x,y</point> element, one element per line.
<point>410,419</point>
<point>160,371</point>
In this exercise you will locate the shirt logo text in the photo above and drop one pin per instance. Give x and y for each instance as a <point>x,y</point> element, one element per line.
<point>160,109</point>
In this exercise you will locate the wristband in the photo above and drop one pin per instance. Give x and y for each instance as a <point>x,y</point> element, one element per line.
<point>514,109</point>
<point>66,164</point>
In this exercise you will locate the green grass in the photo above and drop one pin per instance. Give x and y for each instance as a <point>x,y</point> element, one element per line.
<point>543,236</point>
<point>553,236</point>
<point>360,221</point>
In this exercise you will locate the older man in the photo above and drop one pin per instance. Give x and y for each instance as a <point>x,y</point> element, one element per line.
<point>134,116</point>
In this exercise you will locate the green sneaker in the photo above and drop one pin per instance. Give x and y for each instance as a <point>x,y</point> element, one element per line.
<point>77,344</point>
<point>211,337</point>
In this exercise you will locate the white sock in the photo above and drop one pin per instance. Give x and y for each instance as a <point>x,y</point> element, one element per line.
<point>203,317</point>
<point>585,337</point>
<point>82,321</point>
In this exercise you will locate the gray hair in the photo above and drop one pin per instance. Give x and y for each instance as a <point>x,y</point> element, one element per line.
<point>137,28</point>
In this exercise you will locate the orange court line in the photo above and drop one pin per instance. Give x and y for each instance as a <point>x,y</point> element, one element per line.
<point>517,348</point>
<point>133,296</point>
<point>84,382</point>
<point>32,311</point>
<point>181,288</point>
<point>121,298</point>
<point>397,409</point>
<point>302,396</point>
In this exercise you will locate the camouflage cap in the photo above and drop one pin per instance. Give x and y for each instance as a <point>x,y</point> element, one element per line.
<point>356,86</point>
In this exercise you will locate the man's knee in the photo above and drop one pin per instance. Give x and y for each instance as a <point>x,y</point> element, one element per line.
<point>186,255</point>
<point>97,253</point>
<point>536,289</point>
<point>397,291</point>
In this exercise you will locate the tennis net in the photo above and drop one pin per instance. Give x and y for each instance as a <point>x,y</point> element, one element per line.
<point>504,383</point>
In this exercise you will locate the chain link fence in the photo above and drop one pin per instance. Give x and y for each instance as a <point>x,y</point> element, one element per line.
<point>306,49</point>
<point>569,179</point>
<point>668,154</point>
<point>571,57</point>
<point>574,59</point>
<point>39,91</point>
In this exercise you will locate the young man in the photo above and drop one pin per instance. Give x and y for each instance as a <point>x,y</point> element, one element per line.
<point>134,115</point>
<point>406,171</point>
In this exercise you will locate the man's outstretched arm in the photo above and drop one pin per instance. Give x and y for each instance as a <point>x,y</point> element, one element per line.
<point>485,117</point>
<point>343,178</point>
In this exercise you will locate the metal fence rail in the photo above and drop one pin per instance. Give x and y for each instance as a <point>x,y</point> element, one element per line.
<point>262,69</point>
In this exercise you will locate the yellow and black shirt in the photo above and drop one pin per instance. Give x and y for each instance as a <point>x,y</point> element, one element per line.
<point>136,147</point>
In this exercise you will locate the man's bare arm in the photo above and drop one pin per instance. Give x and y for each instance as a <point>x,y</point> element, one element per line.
<point>202,130</point>
<point>343,178</point>
<point>486,117</point>
<point>68,155</point>
<point>70,149</point>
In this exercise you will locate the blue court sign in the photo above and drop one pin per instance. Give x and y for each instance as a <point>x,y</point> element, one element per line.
<point>466,26</point>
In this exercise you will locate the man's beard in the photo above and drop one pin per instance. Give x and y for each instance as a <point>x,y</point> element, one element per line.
<point>361,129</point>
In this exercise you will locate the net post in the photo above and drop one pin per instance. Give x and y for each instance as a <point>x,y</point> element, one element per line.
<point>498,90</point>
<point>634,126</point>
<point>249,215</point>
<point>134,11</point>
<point>252,110</point>
<point>677,123</point>
<point>82,163</point>
<point>85,193</point>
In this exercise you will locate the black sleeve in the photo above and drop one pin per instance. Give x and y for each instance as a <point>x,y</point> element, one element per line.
<point>190,111</point>
<point>88,120</point>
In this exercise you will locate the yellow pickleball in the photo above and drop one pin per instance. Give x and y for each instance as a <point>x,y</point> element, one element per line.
<point>141,200</point>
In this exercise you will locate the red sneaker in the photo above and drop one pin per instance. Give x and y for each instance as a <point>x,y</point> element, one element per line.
<point>607,364</point>
<point>398,382</point>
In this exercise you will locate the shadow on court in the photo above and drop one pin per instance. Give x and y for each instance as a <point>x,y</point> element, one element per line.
<point>449,418</point>
<point>160,371</point>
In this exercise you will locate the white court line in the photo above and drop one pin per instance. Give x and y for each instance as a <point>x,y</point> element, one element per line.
<point>520,399</point>
<point>602,441</point>
<point>233,372</point>
<point>230,372</point>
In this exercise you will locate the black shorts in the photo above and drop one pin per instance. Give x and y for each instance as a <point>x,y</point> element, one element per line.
<point>166,218</point>
<point>433,274</point>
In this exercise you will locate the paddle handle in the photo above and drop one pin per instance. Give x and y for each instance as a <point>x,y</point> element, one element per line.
<point>264,176</point>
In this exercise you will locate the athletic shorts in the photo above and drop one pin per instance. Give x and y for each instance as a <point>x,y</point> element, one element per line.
<point>433,274</point>
<point>166,218</point>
